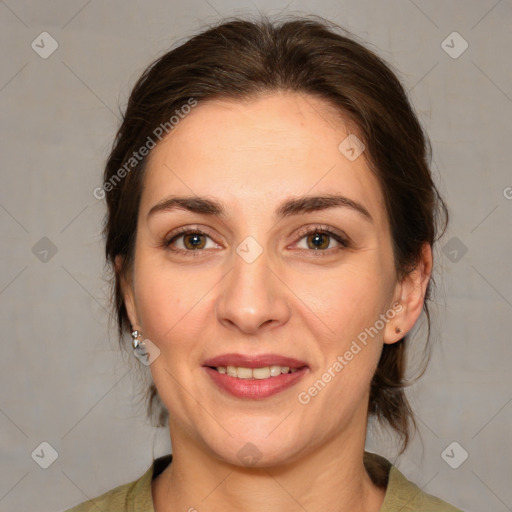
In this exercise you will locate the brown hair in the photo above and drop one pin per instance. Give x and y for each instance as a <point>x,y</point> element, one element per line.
<point>239,59</point>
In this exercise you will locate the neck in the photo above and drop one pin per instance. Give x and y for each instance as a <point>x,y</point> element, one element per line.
<point>331,478</point>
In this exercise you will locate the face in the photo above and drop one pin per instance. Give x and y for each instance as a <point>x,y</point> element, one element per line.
<point>259,279</point>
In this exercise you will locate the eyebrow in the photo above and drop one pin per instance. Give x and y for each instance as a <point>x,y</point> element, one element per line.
<point>292,206</point>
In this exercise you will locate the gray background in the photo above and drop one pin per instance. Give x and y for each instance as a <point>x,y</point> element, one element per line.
<point>63,379</point>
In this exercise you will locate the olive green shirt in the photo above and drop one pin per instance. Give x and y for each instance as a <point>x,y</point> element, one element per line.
<point>401,494</point>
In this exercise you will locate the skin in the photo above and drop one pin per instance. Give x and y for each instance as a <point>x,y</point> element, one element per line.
<point>290,300</point>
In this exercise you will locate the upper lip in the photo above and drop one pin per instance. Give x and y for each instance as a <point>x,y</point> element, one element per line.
<point>254,361</point>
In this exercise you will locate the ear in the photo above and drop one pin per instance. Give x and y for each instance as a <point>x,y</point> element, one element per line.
<point>126,283</point>
<point>410,294</point>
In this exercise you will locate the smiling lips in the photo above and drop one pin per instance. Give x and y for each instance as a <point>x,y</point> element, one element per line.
<point>254,377</point>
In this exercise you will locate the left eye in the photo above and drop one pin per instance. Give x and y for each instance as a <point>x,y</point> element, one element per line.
<point>317,239</point>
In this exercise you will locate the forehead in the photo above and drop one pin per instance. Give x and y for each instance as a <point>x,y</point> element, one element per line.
<point>258,151</point>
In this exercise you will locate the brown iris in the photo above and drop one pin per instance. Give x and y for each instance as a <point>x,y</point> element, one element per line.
<point>316,237</point>
<point>196,243</point>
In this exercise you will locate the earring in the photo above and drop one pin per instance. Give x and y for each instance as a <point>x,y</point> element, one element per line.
<point>135,341</point>
<point>398,330</point>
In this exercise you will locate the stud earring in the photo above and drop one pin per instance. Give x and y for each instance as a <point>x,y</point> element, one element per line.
<point>135,341</point>
<point>398,330</point>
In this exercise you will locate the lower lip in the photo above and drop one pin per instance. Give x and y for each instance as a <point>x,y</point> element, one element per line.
<point>255,388</point>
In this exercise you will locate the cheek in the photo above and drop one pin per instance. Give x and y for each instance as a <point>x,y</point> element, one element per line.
<point>172,305</point>
<point>346,326</point>
<point>345,301</point>
<point>348,332</point>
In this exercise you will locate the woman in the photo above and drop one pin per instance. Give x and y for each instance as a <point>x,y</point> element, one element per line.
<point>271,218</point>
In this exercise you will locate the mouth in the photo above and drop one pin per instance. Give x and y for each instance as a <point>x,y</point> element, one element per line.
<point>254,377</point>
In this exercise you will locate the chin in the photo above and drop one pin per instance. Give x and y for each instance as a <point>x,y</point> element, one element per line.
<point>256,451</point>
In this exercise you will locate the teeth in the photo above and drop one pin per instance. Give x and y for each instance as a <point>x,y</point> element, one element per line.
<point>243,373</point>
<point>255,373</point>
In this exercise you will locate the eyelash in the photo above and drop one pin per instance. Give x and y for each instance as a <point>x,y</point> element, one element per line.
<point>323,230</point>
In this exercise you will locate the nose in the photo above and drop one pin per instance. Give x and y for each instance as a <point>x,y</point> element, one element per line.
<point>252,297</point>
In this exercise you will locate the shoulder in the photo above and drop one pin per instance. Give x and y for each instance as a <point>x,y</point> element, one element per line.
<point>133,496</point>
<point>409,497</point>
<point>401,493</point>
<point>115,500</point>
